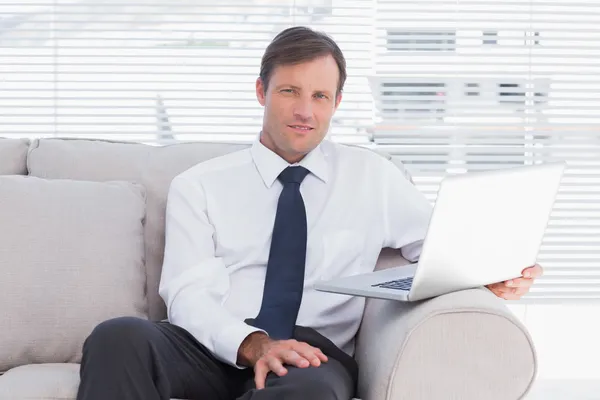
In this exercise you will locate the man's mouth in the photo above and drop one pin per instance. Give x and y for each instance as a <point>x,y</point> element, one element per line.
<point>301,127</point>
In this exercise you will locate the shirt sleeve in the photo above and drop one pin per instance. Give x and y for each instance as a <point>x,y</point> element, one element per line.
<point>406,213</point>
<point>194,282</point>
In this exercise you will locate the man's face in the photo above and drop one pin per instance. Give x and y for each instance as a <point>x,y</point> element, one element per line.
<point>299,102</point>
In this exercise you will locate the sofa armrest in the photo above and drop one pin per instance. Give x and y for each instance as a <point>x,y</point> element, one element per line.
<point>463,345</point>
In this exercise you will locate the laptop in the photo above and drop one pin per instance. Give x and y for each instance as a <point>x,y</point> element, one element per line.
<point>486,227</point>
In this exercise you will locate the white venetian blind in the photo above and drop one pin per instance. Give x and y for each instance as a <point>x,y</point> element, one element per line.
<point>159,71</point>
<point>446,86</point>
<point>471,85</point>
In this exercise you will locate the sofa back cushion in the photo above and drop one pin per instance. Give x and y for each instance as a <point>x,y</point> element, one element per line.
<point>71,256</point>
<point>153,167</point>
<point>13,156</point>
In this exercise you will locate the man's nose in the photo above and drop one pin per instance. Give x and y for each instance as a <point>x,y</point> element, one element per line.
<point>303,110</point>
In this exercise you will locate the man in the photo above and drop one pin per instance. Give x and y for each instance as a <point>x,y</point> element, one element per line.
<point>247,236</point>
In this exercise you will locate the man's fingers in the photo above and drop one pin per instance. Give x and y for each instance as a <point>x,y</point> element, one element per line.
<point>276,366</point>
<point>533,272</point>
<point>261,369</point>
<point>311,354</point>
<point>321,355</point>
<point>521,291</point>
<point>519,283</point>
<point>295,358</point>
<point>502,288</point>
<point>510,296</point>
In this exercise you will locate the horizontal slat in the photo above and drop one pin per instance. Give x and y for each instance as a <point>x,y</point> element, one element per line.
<point>416,49</point>
<point>256,41</point>
<point>478,24</point>
<point>144,63</point>
<point>244,103</point>
<point>539,60</point>
<point>135,10</point>
<point>432,3</point>
<point>558,271</point>
<point>542,286</point>
<point>579,236</point>
<point>175,4</point>
<point>496,10</point>
<point>587,135</point>
<point>514,19</point>
<point>385,16</point>
<point>485,139</point>
<point>171,113</point>
<point>150,119</point>
<point>150,105</point>
<point>465,70</point>
<point>500,151</point>
<point>240,57</point>
<point>580,293</point>
<point>456,99</point>
<point>576,240</point>
<point>191,18</point>
<point>286,3</point>
<point>386,11</point>
<point>560,301</point>
<point>432,137</point>
<point>522,125</point>
<point>574,45</point>
<point>582,75</point>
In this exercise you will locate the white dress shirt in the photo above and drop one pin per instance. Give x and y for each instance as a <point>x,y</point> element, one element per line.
<point>220,216</point>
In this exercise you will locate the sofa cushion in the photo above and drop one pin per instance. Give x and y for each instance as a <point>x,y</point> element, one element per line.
<point>13,156</point>
<point>71,256</point>
<point>52,382</point>
<point>154,167</point>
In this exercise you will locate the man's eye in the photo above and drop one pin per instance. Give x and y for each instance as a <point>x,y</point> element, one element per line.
<point>321,96</point>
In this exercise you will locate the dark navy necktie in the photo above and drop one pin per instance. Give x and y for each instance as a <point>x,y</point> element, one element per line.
<point>284,280</point>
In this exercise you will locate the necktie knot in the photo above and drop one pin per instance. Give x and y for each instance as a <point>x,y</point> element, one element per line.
<point>293,175</point>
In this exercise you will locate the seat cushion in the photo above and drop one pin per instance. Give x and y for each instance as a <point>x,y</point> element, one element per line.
<point>13,156</point>
<point>42,382</point>
<point>52,382</point>
<point>71,256</point>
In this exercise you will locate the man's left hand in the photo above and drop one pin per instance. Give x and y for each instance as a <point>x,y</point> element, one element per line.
<point>514,289</point>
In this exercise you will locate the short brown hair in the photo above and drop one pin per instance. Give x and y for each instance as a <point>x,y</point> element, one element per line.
<point>297,45</point>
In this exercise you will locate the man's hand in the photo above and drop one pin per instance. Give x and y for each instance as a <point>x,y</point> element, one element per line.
<point>264,354</point>
<point>514,289</point>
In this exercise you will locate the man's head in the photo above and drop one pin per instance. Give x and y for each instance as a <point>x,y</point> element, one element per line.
<point>301,80</point>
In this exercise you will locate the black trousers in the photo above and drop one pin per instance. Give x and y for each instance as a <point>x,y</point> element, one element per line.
<point>134,359</point>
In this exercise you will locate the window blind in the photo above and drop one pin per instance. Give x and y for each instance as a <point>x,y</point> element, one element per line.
<point>463,86</point>
<point>447,87</point>
<point>159,71</point>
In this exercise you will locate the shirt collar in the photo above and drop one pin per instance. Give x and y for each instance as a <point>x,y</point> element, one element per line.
<point>270,165</point>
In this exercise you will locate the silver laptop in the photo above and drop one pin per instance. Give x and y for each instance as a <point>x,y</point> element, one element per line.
<point>486,227</point>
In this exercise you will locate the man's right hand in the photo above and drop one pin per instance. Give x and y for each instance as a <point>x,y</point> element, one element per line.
<point>265,354</point>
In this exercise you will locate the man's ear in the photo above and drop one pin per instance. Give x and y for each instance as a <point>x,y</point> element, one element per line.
<point>260,91</point>
<point>338,100</point>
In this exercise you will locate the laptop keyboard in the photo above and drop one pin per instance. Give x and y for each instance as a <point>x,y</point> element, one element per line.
<point>398,284</point>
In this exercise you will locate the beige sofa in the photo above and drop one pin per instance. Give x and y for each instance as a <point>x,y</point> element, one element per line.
<point>81,241</point>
